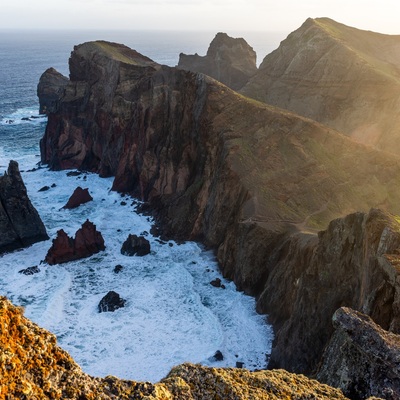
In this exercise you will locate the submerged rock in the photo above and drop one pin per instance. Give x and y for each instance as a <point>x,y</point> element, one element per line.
<point>111,302</point>
<point>135,245</point>
<point>87,242</point>
<point>20,223</point>
<point>80,196</point>
<point>30,270</point>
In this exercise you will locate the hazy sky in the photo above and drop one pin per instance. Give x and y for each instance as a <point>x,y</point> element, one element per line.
<point>211,15</point>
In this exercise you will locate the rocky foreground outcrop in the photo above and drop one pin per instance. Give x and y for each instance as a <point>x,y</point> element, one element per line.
<point>33,367</point>
<point>228,60</point>
<point>343,77</point>
<point>362,359</point>
<point>20,223</point>
<point>252,181</point>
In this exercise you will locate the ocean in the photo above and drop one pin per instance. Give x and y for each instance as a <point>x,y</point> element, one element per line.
<point>172,312</point>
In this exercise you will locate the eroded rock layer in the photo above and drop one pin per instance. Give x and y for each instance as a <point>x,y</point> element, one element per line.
<point>32,366</point>
<point>20,223</point>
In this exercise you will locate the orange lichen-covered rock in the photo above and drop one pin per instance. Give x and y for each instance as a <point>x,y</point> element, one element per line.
<point>32,366</point>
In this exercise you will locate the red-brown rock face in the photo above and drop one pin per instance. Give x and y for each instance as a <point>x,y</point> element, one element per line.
<point>79,197</point>
<point>87,242</point>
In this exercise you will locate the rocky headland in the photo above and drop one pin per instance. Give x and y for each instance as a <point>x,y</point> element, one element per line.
<point>250,180</point>
<point>230,61</point>
<point>20,223</point>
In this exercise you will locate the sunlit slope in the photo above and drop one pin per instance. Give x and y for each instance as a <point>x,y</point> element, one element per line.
<point>301,172</point>
<point>344,77</point>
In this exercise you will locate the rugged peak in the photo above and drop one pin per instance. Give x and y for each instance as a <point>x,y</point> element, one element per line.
<point>20,223</point>
<point>229,60</point>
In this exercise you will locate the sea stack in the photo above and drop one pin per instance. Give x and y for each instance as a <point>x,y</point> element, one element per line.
<point>20,223</point>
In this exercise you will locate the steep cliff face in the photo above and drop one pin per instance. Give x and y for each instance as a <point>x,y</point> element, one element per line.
<point>20,223</point>
<point>252,181</point>
<point>362,359</point>
<point>230,61</point>
<point>345,78</point>
<point>32,366</point>
<point>353,263</point>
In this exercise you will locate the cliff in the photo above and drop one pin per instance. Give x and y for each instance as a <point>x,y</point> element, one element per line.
<point>250,180</point>
<point>361,358</point>
<point>343,77</point>
<point>228,60</point>
<point>33,367</point>
<point>20,223</point>
<point>353,263</point>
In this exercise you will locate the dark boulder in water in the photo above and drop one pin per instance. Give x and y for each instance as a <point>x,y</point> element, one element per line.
<point>135,245</point>
<point>20,223</point>
<point>79,197</point>
<point>30,271</point>
<point>118,268</point>
<point>111,302</point>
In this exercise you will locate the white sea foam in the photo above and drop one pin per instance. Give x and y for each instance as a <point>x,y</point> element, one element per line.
<point>23,115</point>
<point>172,313</point>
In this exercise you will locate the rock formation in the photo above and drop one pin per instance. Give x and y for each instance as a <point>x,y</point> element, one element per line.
<point>20,223</point>
<point>33,366</point>
<point>343,77</point>
<point>87,241</point>
<point>135,245</point>
<point>111,302</point>
<point>352,263</point>
<point>51,88</point>
<point>252,181</point>
<point>362,359</point>
<point>230,61</point>
<point>79,197</point>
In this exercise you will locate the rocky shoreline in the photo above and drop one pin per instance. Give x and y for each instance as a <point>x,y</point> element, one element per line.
<point>255,183</point>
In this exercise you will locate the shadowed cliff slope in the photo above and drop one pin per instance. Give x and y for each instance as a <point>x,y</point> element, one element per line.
<point>344,77</point>
<point>248,179</point>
